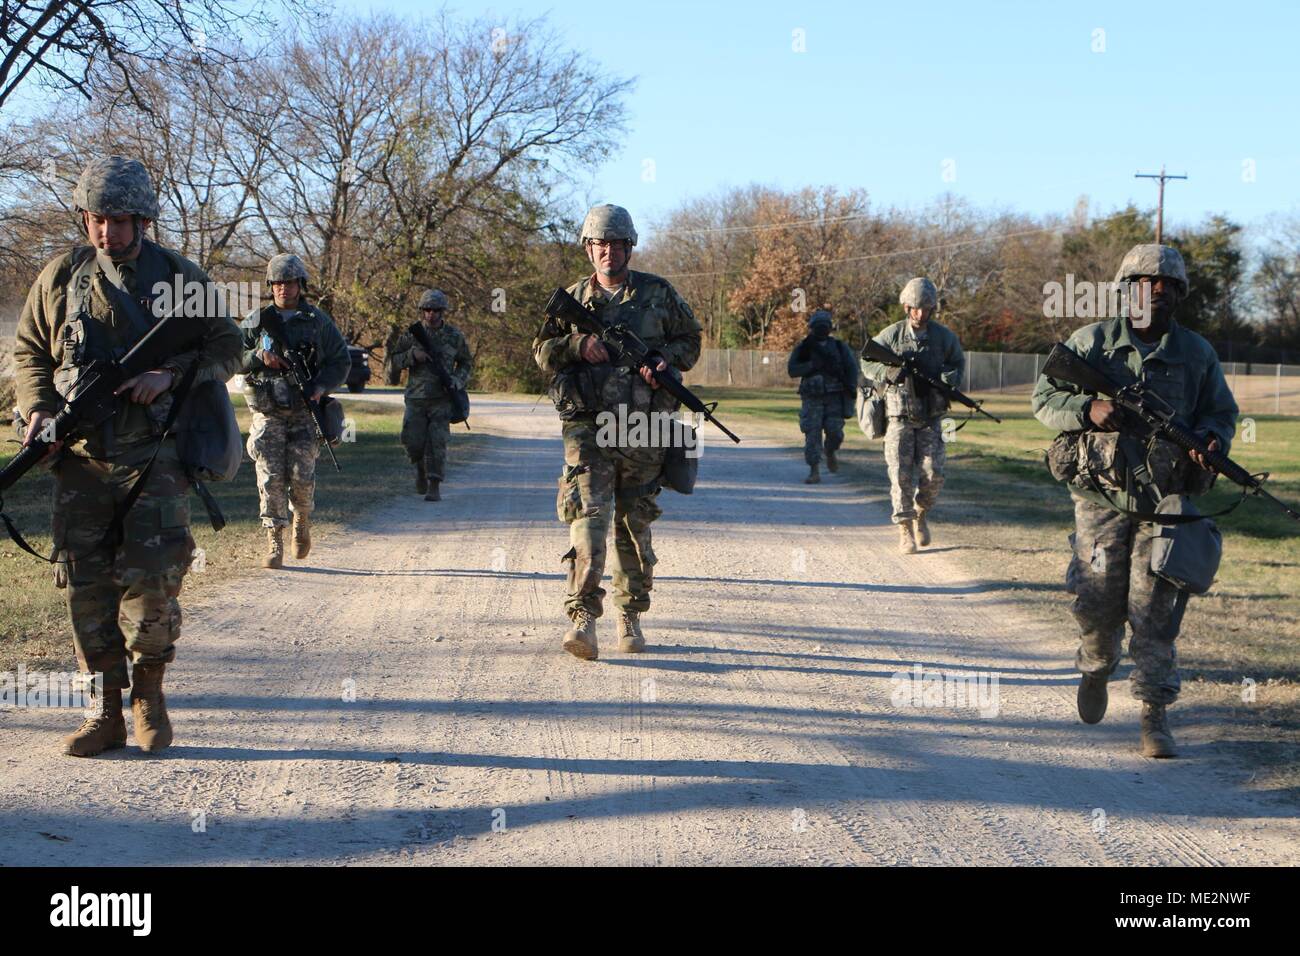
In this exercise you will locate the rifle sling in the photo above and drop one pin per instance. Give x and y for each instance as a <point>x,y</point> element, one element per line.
<point>18,539</point>
<point>113,536</point>
<point>1157,518</point>
<point>1140,474</point>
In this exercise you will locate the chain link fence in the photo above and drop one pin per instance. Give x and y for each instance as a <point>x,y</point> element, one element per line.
<point>741,368</point>
<point>1259,389</point>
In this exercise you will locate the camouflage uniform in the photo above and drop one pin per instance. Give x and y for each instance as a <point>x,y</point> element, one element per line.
<point>123,600</point>
<point>282,440</point>
<point>426,424</point>
<point>914,446</point>
<point>828,384</point>
<point>1110,572</point>
<point>621,480</point>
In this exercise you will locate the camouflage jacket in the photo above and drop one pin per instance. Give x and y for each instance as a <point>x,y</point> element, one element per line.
<point>938,353</point>
<point>1183,369</point>
<point>453,351</point>
<point>310,329</point>
<point>52,345</point>
<point>824,367</point>
<point>651,308</point>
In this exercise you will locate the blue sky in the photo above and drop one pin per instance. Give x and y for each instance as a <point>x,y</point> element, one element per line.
<point>1012,94</point>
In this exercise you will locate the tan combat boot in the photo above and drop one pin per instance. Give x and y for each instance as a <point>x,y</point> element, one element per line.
<point>1157,741</point>
<point>274,548</point>
<point>301,535</point>
<point>103,730</point>
<point>421,478</point>
<point>630,638</point>
<point>922,528</point>
<point>580,640</point>
<point>906,539</point>
<point>814,476</point>
<point>832,463</point>
<point>432,493</point>
<point>153,728</point>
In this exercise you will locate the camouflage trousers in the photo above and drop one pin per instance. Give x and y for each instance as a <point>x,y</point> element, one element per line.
<point>818,414</point>
<point>426,428</point>
<point>1110,576</point>
<point>597,484</point>
<point>915,455</point>
<point>284,449</point>
<point>123,600</point>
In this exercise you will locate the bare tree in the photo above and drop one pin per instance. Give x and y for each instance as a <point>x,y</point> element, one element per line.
<point>82,45</point>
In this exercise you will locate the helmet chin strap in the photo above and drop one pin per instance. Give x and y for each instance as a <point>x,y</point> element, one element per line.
<point>137,237</point>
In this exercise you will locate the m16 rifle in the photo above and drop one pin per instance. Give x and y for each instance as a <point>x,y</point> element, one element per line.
<point>1145,415</point>
<point>886,356</point>
<point>626,348</point>
<point>299,371</point>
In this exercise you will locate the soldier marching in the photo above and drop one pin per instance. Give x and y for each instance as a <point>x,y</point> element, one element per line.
<point>426,422</point>
<point>915,453</point>
<point>123,554</point>
<point>283,440</point>
<point>124,557</point>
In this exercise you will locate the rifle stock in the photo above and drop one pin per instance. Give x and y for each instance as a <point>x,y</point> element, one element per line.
<point>1065,365</point>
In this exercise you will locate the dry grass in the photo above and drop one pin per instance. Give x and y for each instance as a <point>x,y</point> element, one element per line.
<point>34,627</point>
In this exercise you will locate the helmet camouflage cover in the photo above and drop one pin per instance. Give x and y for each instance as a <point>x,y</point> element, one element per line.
<point>285,267</point>
<point>1153,259</point>
<point>919,293</point>
<point>433,299</point>
<point>116,186</point>
<point>608,222</point>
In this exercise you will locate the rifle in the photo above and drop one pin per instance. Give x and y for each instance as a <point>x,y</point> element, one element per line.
<point>459,397</point>
<point>299,373</point>
<point>1149,415</point>
<point>627,349</point>
<point>885,356</point>
<point>91,401</point>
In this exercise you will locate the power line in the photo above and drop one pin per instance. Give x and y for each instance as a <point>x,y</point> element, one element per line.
<point>902,252</point>
<point>782,224</point>
<point>786,224</point>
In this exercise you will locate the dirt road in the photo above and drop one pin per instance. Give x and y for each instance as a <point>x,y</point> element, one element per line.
<point>766,724</point>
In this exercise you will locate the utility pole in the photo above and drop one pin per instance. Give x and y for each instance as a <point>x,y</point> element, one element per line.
<point>1160,207</point>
